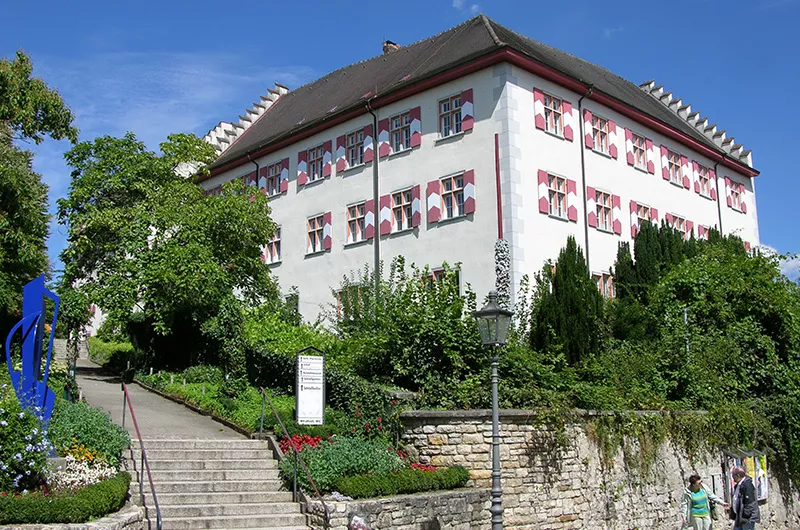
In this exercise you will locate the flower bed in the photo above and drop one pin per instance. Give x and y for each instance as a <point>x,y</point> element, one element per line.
<point>66,506</point>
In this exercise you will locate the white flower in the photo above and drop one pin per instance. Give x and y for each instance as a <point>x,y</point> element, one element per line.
<point>3,424</point>
<point>21,415</point>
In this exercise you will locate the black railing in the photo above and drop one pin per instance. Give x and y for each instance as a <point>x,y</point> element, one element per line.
<point>143,463</point>
<point>266,399</point>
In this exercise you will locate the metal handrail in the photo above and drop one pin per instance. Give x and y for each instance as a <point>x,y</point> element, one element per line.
<point>144,464</point>
<point>297,457</point>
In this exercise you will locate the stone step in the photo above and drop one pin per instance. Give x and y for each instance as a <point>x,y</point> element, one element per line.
<point>206,454</point>
<point>205,475</point>
<point>236,521</point>
<point>210,510</point>
<point>207,487</point>
<point>212,464</point>
<point>199,443</point>
<point>213,498</point>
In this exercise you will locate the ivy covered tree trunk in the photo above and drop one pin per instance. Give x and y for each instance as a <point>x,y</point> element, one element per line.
<point>502,269</point>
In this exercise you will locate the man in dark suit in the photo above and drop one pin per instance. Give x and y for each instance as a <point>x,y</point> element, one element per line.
<point>744,507</point>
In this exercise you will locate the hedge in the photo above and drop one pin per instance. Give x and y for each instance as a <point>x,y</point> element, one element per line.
<point>86,503</point>
<point>403,481</point>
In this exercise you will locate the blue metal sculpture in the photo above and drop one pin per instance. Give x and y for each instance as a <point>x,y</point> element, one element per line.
<point>30,383</point>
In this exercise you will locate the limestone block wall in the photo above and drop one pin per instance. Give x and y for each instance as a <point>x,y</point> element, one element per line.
<point>450,510</point>
<point>548,484</point>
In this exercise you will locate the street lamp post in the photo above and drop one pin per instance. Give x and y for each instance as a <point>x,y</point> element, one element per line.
<point>493,323</point>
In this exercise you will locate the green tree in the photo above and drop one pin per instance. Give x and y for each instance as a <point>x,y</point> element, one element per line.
<point>29,110</point>
<point>173,267</point>
<point>568,307</point>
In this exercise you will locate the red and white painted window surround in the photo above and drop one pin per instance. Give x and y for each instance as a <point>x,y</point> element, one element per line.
<point>557,196</point>
<point>735,195</point>
<point>272,185</point>
<point>399,133</point>
<point>314,164</point>
<point>675,167</point>
<point>639,151</point>
<point>272,250</point>
<point>354,145</point>
<point>600,134</point>
<point>354,149</point>
<point>704,181</point>
<point>641,213</point>
<point>318,229</point>
<point>456,114</point>
<point>603,210</point>
<point>401,209</point>
<point>356,222</point>
<point>451,197</point>
<point>552,114</point>
<point>680,224</point>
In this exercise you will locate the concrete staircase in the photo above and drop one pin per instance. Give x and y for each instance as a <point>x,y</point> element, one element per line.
<point>221,484</point>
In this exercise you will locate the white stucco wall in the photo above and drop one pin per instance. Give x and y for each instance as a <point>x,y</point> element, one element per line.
<point>503,104</point>
<point>468,240</point>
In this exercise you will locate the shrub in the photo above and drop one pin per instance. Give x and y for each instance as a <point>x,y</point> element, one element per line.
<point>343,457</point>
<point>80,472</point>
<point>203,374</point>
<point>114,355</point>
<point>23,446</point>
<point>79,506</point>
<point>404,481</point>
<point>77,423</point>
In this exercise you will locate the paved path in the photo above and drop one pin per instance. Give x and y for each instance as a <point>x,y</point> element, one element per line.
<point>157,417</point>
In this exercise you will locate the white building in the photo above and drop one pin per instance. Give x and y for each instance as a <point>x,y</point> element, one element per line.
<point>481,133</point>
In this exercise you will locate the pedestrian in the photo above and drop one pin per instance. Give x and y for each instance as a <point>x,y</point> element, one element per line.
<point>696,505</point>
<point>744,507</point>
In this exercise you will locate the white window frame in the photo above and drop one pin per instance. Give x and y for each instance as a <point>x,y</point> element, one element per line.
<point>704,178</point>
<point>639,152</point>
<point>450,114</point>
<point>554,192</point>
<point>605,284</point>
<point>648,213</point>
<point>736,196</point>
<point>315,164</point>
<point>315,226</point>
<point>354,152</point>
<point>273,184</point>
<point>401,211</point>
<point>403,129</point>
<point>356,222</point>
<point>679,223</point>
<point>604,211</point>
<point>553,115</point>
<point>272,250</point>
<point>600,134</point>
<point>675,168</point>
<point>455,208</point>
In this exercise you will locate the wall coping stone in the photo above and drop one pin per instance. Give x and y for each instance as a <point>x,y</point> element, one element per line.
<point>520,414</point>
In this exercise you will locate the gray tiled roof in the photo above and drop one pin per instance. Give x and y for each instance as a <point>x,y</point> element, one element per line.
<point>345,88</point>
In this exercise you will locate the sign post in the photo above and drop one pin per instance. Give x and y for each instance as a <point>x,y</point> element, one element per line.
<point>310,390</point>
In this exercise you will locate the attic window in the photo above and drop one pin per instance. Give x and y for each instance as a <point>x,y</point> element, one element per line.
<point>406,77</point>
<point>368,94</point>
<point>299,122</point>
<point>333,108</point>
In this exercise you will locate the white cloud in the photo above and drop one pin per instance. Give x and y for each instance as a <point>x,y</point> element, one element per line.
<point>610,32</point>
<point>472,9</point>
<point>152,95</point>
<point>789,264</point>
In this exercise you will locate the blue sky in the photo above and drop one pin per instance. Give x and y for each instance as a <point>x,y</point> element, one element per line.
<point>160,67</point>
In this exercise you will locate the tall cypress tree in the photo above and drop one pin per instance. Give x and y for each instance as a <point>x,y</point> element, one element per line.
<point>647,252</point>
<point>624,273</point>
<point>568,307</point>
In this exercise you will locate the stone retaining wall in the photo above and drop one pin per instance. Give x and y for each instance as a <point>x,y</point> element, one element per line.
<point>131,517</point>
<point>550,485</point>
<point>453,510</point>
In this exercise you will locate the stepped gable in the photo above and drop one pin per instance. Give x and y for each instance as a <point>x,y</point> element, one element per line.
<point>348,88</point>
<point>225,133</point>
<point>702,125</point>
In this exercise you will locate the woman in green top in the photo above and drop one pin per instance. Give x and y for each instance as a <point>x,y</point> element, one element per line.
<point>696,505</point>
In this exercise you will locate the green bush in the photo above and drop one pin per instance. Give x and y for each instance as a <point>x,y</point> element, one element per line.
<point>86,503</point>
<point>203,374</point>
<point>77,423</point>
<point>341,457</point>
<point>114,355</point>
<point>400,482</point>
